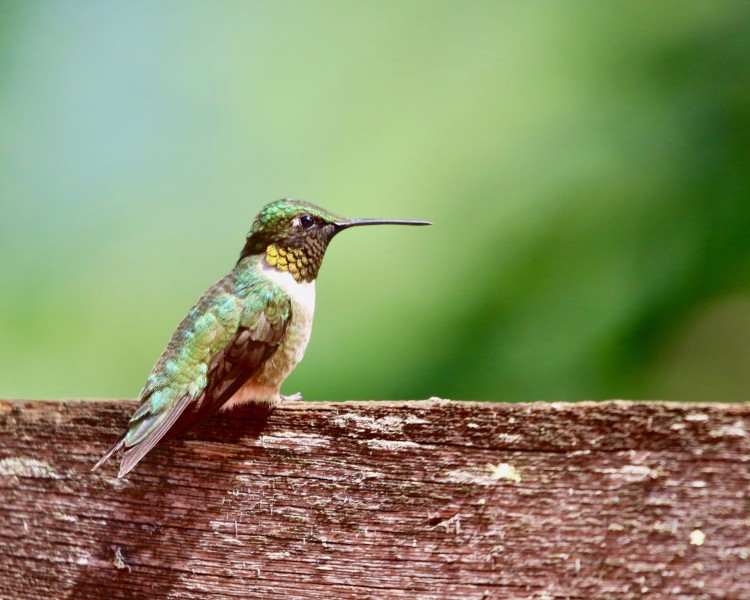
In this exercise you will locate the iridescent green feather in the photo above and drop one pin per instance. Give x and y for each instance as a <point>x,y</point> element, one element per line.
<point>183,367</point>
<point>206,358</point>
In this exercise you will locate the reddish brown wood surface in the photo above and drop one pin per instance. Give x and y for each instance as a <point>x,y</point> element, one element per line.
<point>429,499</point>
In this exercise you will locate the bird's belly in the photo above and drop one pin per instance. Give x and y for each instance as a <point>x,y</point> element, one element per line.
<point>288,355</point>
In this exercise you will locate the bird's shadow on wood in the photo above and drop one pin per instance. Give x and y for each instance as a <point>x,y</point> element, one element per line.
<point>163,498</point>
<point>241,424</point>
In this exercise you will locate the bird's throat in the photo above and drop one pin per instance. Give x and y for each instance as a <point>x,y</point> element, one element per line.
<point>301,263</point>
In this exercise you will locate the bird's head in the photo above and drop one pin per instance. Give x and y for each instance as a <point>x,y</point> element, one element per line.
<point>292,235</point>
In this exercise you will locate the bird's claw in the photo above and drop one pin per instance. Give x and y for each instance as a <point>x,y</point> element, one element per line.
<point>293,398</point>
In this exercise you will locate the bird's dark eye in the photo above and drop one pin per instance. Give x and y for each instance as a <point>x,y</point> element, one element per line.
<point>306,221</point>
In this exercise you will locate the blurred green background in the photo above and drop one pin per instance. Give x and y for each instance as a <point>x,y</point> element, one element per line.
<point>586,165</point>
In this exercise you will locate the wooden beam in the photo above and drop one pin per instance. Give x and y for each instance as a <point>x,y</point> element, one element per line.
<point>431,499</point>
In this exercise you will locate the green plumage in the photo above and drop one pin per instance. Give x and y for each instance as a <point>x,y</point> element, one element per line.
<point>241,300</point>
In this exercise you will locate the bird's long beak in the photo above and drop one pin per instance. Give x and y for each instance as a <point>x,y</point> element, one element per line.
<point>359,222</point>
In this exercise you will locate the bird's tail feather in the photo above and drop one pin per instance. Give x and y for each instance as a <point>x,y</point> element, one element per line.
<point>118,444</point>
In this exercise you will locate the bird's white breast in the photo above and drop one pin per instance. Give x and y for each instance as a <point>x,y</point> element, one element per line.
<point>302,293</point>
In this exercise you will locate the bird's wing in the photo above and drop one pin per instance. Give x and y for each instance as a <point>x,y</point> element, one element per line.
<point>219,345</point>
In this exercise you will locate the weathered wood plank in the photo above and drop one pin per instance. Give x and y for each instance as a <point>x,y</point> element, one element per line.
<point>429,499</point>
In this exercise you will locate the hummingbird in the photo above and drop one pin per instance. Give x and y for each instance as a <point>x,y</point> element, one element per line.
<point>245,334</point>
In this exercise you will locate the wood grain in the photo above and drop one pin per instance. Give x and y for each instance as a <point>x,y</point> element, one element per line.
<point>430,499</point>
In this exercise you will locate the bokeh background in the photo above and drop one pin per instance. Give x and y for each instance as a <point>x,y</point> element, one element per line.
<point>586,165</point>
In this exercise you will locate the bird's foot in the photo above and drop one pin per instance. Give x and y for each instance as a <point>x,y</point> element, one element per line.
<point>293,398</point>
